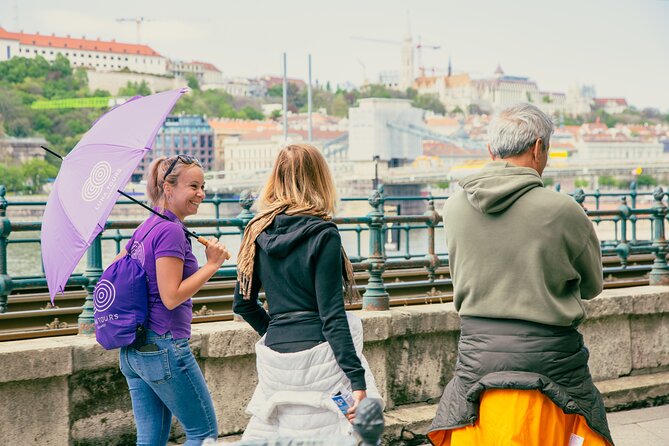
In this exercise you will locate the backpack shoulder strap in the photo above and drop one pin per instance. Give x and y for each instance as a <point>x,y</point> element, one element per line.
<point>132,247</point>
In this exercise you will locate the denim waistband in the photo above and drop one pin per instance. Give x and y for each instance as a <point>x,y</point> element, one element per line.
<point>152,335</point>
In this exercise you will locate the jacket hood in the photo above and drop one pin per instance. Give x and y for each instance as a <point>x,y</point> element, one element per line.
<point>287,231</point>
<point>499,185</point>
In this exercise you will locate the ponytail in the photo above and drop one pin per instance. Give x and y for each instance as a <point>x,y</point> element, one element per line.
<point>154,182</point>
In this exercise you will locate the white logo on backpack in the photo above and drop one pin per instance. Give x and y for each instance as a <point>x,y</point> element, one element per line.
<point>137,252</point>
<point>104,295</point>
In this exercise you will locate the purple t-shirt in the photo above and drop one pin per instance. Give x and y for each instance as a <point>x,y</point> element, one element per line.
<point>167,239</point>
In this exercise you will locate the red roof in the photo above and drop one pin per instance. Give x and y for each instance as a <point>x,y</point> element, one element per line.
<point>604,101</point>
<point>317,134</point>
<point>53,41</point>
<point>206,66</point>
<point>271,81</point>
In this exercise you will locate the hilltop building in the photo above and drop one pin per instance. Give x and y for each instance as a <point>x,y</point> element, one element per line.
<point>91,54</point>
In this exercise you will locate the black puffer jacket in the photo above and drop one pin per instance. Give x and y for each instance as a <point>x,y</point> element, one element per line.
<point>514,354</point>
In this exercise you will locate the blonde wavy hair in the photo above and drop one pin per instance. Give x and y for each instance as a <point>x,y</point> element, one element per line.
<point>301,178</point>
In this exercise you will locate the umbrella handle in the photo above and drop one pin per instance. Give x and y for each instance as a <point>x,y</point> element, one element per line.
<point>204,241</point>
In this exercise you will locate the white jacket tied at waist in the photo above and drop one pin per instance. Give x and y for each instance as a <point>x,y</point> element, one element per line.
<point>294,389</point>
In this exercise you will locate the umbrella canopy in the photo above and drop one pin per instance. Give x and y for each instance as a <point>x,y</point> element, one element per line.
<point>85,189</point>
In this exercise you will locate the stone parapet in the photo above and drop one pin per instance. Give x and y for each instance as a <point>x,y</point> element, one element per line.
<point>69,390</point>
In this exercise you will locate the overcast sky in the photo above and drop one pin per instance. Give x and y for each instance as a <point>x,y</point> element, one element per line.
<point>621,47</point>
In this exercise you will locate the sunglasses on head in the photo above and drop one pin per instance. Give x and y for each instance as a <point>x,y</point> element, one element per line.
<point>186,159</point>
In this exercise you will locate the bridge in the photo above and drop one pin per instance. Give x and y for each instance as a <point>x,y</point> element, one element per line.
<point>411,327</point>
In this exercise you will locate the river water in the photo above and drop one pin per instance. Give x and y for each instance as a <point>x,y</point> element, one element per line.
<point>24,259</point>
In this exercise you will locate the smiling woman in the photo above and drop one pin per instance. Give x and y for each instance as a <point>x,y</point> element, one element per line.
<point>162,374</point>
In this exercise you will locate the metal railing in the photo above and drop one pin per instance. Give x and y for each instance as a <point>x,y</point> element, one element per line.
<point>376,224</point>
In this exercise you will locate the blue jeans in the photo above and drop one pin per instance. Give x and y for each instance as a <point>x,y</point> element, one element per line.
<point>165,382</point>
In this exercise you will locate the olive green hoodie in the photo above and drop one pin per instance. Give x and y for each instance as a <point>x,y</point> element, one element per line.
<point>518,250</point>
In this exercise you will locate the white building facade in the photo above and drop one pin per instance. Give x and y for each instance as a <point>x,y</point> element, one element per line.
<point>374,130</point>
<point>90,54</point>
<point>620,150</point>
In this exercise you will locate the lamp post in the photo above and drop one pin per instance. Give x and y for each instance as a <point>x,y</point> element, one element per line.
<point>375,185</point>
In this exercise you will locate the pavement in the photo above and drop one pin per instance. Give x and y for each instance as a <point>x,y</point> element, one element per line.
<point>636,427</point>
<point>647,427</point>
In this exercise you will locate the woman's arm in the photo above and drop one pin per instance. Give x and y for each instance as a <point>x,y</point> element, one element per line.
<point>249,309</point>
<point>121,254</point>
<point>330,299</point>
<point>169,271</point>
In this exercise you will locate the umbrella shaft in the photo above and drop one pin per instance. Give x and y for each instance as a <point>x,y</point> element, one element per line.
<point>190,233</point>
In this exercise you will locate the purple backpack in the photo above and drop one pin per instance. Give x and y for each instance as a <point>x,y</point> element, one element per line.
<point>120,301</point>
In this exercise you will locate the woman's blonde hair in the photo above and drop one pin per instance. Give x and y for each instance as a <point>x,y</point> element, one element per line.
<point>156,179</point>
<point>300,177</point>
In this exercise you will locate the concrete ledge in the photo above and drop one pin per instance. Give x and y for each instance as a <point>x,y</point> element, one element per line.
<point>76,385</point>
<point>635,391</point>
<point>35,359</point>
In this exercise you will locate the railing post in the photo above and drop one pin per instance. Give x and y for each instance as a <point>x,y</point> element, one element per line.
<point>623,248</point>
<point>217,202</point>
<point>92,273</point>
<point>245,201</point>
<point>376,297</point>
<point>5,229</point>
<point>579,196</point>
<point>633,218</point>
<point>431,242</point>
<point>659,275</point>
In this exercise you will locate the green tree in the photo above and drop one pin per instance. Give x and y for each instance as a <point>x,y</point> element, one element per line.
<point>36,173</point>
<point>14,113</point>
<point>275,91</point>
<point>249,112</point>
<point>429,102</point>
<point>16,69</point>
<point>380,91</point>
<point>581,182</point>
<point>135,89</point>
<point>339,106</point>
<point>193,83</point>
<point>607,181</point>
<point>11,177</point>
<point>646,180</point>
<point>548,181</point>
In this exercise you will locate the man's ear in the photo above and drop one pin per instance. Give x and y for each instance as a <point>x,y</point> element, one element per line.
<point>492,156</point>
<point>538,148</point>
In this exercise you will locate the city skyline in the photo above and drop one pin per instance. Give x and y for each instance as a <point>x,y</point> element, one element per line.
<point>621,52</point>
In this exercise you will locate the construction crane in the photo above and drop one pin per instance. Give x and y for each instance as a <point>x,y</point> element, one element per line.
<point>419,53</point>
<point>419,47</point>
<point>138,21</point>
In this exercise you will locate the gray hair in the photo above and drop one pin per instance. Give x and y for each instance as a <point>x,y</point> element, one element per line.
<point>517,128</point>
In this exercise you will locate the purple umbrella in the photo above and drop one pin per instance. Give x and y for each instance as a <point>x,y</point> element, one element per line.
<point>90,178</point>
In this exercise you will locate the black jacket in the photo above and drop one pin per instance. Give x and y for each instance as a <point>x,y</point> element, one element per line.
<point>298,262</point>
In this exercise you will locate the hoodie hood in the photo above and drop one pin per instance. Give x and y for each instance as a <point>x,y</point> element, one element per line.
<point>499,185</point>
<point>287,231</point>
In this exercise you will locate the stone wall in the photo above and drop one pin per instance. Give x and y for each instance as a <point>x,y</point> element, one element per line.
<point>68,390</point>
